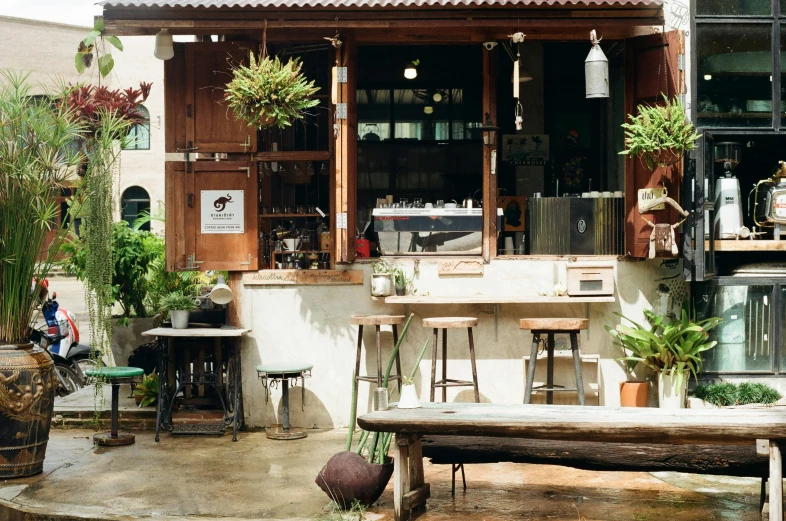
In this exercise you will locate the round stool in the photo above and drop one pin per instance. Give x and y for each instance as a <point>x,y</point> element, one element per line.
<point>115,376</point>
<point>377,321</point>
<point>548,327</point>
<point>271,374</point>
<point>445,323</point>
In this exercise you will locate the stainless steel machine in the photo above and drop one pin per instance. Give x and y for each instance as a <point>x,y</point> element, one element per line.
<point>769,208</point>
<point>728,204</point>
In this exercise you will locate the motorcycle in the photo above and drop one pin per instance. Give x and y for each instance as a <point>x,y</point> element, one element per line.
<point>62,329</point>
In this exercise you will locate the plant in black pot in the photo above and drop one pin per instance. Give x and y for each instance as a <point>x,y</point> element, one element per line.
<point>360,475</point>
<point>36,161</point>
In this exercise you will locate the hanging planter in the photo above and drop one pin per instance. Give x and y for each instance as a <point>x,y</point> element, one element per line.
<point>268,92</point>
<point>659,134</point>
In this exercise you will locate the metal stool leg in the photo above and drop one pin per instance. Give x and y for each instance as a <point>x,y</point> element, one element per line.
<point>379,357</point>
<point>285,403</point>
<point>433,362</point>
<point>115,413</point>
<point>114,437</point>
<point>533,357</point>
<point>550,368</point>
<point>574,346</point>
<point>445,364</point>
<point>474,367</point>
<point>357,369</point>
<point>454,468</point>
<point>398,358</point>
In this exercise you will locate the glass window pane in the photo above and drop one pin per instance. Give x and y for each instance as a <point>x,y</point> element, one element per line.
<point>734,7</point>
<point>734,75</point>
<point>744,336</point>
<point>783,72</point>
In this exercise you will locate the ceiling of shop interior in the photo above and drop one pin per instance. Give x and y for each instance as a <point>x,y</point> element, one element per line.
<point>327,4</point>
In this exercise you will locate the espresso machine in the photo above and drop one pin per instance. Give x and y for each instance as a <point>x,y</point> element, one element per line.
<point>728,202</point>
<point>769,206</point>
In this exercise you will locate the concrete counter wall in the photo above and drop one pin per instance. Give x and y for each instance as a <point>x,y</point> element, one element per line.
<point>312,323</point>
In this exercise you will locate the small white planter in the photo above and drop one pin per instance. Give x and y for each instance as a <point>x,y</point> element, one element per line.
<point>381,285</point>
<point>409,397</point>
<point>179,318</point>
<point>672,390</point>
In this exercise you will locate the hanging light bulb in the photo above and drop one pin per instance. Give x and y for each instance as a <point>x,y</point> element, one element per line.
<point>437,97</point>
<point>596,70</point>
<point>165,50</point>
<point>411,71</point>
<point>428,109</point>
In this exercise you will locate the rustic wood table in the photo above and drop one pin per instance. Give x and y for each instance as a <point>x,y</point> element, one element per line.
<point>764,428</point>
<point>232,395</point>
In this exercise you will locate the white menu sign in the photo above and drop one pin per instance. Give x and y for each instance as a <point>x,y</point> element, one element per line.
<point>222,211</point>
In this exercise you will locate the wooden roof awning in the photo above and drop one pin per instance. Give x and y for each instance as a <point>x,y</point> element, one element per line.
<point>388,20</point>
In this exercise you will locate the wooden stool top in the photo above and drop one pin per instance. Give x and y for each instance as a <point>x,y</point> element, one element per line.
<point>554,324</point>
<point>449,322</point>
<point>376,320</point>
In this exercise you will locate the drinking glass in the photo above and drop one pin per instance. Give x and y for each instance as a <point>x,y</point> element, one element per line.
<point>417,202</point>
<point>404,202</point>
<point>440,203</point>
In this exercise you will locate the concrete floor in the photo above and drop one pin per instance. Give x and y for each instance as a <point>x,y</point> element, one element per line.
<point>256,478</point>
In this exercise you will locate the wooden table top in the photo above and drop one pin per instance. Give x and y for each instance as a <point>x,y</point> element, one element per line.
<point>573,422</point>
<point>196,332</point>
<point>492,299</point>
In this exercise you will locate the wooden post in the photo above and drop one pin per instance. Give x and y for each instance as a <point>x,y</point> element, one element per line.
<point>489,181</point>
<point>401,481</point>
<point>776,482</point>
<point>345,155</point>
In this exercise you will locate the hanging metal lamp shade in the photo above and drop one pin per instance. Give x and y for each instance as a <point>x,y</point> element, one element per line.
<point>596,71</point>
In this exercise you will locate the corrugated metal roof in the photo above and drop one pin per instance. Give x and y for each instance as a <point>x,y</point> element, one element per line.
<point>338,4</point>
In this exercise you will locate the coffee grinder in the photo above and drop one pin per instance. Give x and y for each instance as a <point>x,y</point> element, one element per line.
<point>728,204</point>
<point>769,207</point>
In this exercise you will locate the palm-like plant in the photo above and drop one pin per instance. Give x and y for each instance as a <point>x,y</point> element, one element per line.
<point>37,158</point>
<point>669,344</point>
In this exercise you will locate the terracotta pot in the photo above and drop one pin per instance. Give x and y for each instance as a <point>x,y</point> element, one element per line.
<point>347,477</point>
<point>634,394</point>
<point>27,401</point>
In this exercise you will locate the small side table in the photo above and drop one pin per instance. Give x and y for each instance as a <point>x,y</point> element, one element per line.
<point>115,376</point>
<point>271,374</point>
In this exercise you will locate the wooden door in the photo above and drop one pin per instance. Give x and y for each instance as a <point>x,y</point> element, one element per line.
<point>222,214</point>
<point>651,70</point>
<point>210,125</point>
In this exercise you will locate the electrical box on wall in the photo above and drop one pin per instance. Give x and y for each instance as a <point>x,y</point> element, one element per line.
<point>590,280</point>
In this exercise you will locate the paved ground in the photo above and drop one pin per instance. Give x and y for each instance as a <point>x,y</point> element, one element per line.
<point>256,478</point>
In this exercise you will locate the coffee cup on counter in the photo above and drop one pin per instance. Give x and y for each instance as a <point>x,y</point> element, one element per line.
<point>429,205</point>
<point>451,205</point>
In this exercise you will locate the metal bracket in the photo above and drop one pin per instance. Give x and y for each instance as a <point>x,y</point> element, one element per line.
<point>341,220</point>
<point>247,142</point>
<point>246,263</point>
<point>192,263</point>
<point>341,75</point>
<point>341,111</point>
<point>247,169</point>
<point>681,62</point>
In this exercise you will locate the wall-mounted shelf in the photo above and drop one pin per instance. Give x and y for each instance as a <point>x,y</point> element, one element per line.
<point>748,245</point>
<point>287,215</point>
<point>296,155</point>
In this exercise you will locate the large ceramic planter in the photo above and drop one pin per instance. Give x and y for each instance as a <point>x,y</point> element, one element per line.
<point>634,394</point>
<point>672,390</point>
<point>381,285</point>
<point>347,477</point>
<point>27,400</point>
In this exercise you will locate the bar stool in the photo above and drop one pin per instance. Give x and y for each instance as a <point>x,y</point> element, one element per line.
<point>445,323</point>
<point>377,321</point>
<point>271,374</point>
<point>114,376</point>
<point>550,326</point>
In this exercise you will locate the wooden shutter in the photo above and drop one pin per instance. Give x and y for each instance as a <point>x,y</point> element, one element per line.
<point>211,183</point>
<point>651,68</point>
<point>177,241</point>
<point>345,157</point>
<point>210,125</point>
<point>489,248</point>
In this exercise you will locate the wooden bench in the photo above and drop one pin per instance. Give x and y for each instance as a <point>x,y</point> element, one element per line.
<point>763,429</point>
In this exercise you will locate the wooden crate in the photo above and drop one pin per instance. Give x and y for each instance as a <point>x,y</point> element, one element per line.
<point>590,279</point>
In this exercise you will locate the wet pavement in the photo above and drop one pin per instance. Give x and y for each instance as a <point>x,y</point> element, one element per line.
<point>209,478</point>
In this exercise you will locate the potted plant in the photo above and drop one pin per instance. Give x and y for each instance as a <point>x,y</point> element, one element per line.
<point>381,278</point>
<point>670,346</point>
<point>659,134</point>
<point>401,281</point>
<point>178,305</point>
<point>268,92</point>
<point>36,160</point>
<point>146,392</point>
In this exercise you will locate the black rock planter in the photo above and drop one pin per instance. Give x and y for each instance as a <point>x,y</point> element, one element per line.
<point>347,477</point>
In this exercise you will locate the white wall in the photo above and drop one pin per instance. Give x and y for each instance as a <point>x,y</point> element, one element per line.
<point>311,323</point>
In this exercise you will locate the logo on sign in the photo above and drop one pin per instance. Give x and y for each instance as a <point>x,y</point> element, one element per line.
<point>220,204</point>
<point>581,226</point>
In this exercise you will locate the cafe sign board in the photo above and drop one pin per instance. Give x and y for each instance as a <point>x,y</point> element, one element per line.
<point>222,211</point>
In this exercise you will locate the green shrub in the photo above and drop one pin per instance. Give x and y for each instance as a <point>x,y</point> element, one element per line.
<point>757,393</point>
<point>724,394</point>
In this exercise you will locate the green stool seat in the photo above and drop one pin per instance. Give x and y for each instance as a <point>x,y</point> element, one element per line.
<point>115,375</point>
<point>272,372</point>
<point>114,372</point>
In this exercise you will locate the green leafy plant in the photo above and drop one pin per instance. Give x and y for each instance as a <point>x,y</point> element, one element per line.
<point>37,157</point>
<point>382,267</point>
<point>401,279</point>
<point>269,92</point>
<point>659,134</point>
<point>177,301</point>
<point>147,390</point>
<point>93,46</point>
<point>668,344</point>
<point>725,394</point>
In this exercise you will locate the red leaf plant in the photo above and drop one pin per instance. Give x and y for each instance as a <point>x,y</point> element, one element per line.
<point>89,103</point>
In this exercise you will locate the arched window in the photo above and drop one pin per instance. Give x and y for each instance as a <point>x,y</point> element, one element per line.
<point>135,200</point>
<point>139,135</point>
